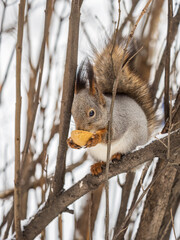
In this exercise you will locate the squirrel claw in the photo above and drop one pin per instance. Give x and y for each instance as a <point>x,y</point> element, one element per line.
<point>93,141</point>
<point>71,144</point>
<point>97,168</point>
<point>116,157</point>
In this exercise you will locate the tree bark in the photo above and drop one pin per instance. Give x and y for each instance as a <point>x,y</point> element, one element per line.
<point>156,203</point>
<point>17,185</point>
<point>68,93</point>
<point>59,204</point>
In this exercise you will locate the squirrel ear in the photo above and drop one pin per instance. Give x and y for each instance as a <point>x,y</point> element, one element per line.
<point>93,87</point>
<point>86,73</point>
<point>80,79</point>
<point>91,78</point>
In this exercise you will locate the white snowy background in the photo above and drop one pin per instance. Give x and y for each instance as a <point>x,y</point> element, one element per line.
<point>94,13</point>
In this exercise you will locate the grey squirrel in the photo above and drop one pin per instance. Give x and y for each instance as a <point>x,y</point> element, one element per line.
<point>133,115</point>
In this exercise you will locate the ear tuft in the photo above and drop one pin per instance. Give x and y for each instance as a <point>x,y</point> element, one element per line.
<point>85,75</point>
<point>91,78</point>
<point>80,78</point>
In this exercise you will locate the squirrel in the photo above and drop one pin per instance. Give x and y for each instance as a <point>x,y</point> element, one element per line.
<point>133,115</point>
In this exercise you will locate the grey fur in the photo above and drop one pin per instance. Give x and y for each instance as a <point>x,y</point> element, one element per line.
<point>130,127</point>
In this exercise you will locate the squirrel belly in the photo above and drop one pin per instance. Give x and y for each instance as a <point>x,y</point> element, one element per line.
<point>99,152</point>
<point>129,129</point>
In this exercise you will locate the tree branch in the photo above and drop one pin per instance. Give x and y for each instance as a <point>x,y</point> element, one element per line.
<point>59,204</point>
<point>17,187</point>
<point>167,64</point>
<point>160,69</point>
<point>156,203</point>
<point>35,97</point>
<point>68,92</point>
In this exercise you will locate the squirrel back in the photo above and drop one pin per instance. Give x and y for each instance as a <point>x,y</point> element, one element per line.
<point>107,68</point>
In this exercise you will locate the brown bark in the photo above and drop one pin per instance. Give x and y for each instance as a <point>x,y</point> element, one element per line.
<point>143,61</point>
<point>17,186</point>
<point>167,63</point>
<point>175,115</point>
<point>34,95</point>
<point>57,205</point>
<point>83,226</point>
<point>156,203</point>
<point>175,24</point>
<point>165,230</point>
<point>68,92</point>
<point>126,189</point>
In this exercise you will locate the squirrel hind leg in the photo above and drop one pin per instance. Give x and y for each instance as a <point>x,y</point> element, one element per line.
<point>97,168</point>
<point>116,157</point>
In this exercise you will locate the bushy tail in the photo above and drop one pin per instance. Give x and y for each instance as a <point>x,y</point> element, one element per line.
<point>107,67</point>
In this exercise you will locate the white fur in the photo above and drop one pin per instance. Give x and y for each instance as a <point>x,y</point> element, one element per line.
<point>122,145</point>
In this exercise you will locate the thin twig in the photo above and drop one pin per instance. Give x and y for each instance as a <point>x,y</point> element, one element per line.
<point>167,63</point>
<point>60,227</point>
<point>174,112</point>
<point>89,231</point>
<point>133,56</point>
<point>172,220</point>
<point>109,127</point>
<point>35,103</point>
<point>161,142</point>
<point>17,185</point>
<point>170,125</point>
<point>136,194</point>
<point>9,222</point>
<point>128,18</point>
<point>135,25</point>
<point>126,190</point>
<point>160,69</point>
<point>165,230</point>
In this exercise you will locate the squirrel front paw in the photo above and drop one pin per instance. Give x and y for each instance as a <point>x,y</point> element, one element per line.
<point>97,168</point>
<point>96,138</point>
<point>72,144</point>
<point>93,141</point>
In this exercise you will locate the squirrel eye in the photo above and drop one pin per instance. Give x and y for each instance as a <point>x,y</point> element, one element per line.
<point>91,113</point>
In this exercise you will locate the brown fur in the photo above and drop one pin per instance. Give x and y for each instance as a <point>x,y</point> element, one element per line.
<point>97,168</point>
<point>107,69</point>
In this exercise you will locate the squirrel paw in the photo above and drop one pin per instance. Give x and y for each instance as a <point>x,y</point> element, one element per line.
<point>97,168</point>
<point>116,157</point>
<point>93,141</point>
<point>71,144</point>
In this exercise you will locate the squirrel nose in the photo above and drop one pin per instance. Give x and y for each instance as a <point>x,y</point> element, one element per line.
<point>79,127</point>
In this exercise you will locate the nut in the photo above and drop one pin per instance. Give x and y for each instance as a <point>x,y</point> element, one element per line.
<point>80,137</point>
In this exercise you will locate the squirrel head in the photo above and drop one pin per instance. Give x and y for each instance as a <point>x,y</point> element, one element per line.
<point>89,105</point>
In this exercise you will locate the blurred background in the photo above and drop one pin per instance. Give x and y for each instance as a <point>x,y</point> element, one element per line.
<point>97,23</point>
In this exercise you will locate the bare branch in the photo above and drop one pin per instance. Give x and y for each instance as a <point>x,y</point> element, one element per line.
<point>17,186</point>
<point>126,189</point>
<point>35,98</point>
<point>57,205</point>
<point>160,69</point>
<point>167,64</point>
<point>68,92</point>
